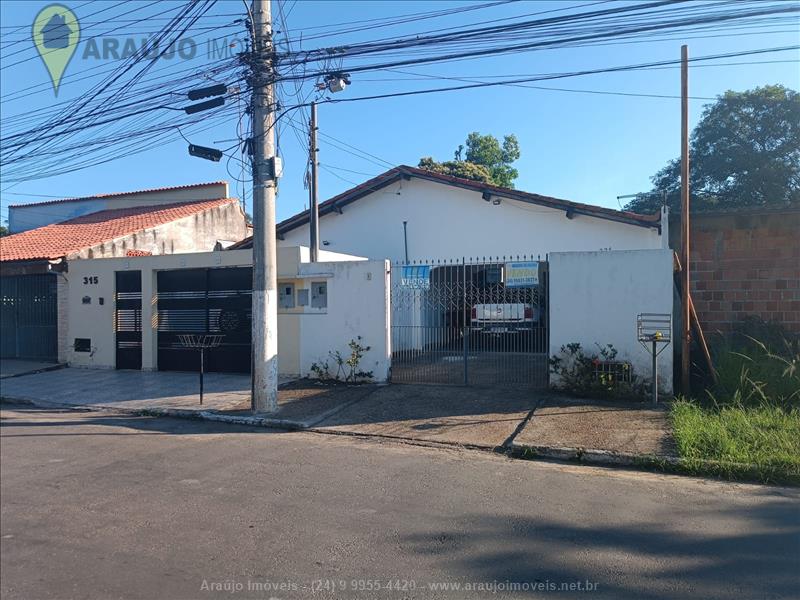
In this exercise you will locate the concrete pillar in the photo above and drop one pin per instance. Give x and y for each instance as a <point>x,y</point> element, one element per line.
<point>149,320</point>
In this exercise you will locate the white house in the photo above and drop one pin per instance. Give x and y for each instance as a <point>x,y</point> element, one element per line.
<point>413,214</point>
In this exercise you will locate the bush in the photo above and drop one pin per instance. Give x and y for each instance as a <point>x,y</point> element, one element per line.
<point>590,375</point>
<point>347,368</point>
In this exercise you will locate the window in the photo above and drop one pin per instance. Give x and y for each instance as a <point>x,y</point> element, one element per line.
<point>286,295</point>
<point>319,294</point>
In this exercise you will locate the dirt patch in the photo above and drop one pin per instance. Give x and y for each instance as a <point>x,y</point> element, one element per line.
<point>592,424</point>
<point>471,416</point>
<point>306,400</point>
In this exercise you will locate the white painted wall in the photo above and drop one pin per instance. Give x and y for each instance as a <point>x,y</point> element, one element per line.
<point>31,216</point>
<point>358,304</point>
<point>596,296</point>
<point>447,222</point>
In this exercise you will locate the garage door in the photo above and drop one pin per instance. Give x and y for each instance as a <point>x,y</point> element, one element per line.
<point>205,301</point>
<point>29,317</point>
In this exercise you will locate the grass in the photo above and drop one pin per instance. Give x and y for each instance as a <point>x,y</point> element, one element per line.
<point>739,442</point>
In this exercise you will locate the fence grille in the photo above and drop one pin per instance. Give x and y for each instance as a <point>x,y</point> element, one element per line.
<point>28,317</point>
<point>470,322</point>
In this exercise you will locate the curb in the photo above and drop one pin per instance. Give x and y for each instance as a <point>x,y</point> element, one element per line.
<point>35,371</point>
<point>590,456</point>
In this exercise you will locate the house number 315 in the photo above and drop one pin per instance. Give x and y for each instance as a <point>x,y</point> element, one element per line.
<point>90,280</point>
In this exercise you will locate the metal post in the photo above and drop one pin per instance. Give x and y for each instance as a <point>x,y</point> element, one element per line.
<point>202,366</point>
<point>686,280</point>
<point>655,372</point>
<point>465,312</point>
<point>265,285</point>
<point>405,239</point>
<point>314,187</point>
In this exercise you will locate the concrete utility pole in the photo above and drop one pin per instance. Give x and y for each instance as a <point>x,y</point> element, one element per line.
<point>686,335</point>
<point>313,189</point>
<point>265,177</point>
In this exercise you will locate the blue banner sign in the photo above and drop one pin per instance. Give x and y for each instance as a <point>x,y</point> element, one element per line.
<point>416,276</point>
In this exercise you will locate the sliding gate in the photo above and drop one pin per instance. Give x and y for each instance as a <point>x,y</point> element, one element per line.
<point>205,301</point>
<point>470,322</point>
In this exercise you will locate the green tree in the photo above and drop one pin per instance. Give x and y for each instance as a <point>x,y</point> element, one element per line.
<point>485,150</point>
<point>3,231</point>
<point>485,160</point>
<point>457,168</point>
<point>745,151</point>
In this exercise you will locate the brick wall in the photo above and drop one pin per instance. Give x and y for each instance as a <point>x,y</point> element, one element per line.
<point>745,264</point>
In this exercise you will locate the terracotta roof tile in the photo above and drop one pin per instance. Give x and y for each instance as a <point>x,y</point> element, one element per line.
<point>60,239</point>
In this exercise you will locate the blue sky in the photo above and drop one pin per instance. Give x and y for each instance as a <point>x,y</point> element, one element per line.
<point>586,147</point>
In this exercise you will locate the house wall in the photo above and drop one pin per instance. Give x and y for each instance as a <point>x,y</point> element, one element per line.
<point>31,216</point>
<point>357,305</point>
<point>595,298</point>
<point>446,222</point>
<point>195,233</point>
<point>745,265</point>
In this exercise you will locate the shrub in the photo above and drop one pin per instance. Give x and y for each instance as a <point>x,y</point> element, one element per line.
<point>588,374</point>
<point>347,368</point>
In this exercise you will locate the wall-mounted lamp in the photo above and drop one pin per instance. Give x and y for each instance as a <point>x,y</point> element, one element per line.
<point>486,196</point>
<point>570,214</point>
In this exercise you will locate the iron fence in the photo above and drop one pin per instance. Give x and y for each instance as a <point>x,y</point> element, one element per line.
<point>470,321</point>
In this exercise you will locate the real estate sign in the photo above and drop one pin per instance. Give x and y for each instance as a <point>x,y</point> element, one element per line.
<point>416,276</point>
<point>522,274</point>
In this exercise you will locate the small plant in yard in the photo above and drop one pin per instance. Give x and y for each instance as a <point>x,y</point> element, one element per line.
<point>597,374</point>
<point>347,367</point>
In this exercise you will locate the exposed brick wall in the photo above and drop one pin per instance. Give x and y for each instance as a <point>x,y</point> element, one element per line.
<point>745,265</point>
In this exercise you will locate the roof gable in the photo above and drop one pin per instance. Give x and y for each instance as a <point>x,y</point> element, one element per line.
<point>336,203</point>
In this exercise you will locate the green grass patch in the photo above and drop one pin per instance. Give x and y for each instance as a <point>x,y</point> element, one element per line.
<point>739,442</point>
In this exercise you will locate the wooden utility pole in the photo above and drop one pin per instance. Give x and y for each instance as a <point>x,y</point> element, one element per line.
<point>686,335</point>
<point>313,189</point>
<point>265,176</point>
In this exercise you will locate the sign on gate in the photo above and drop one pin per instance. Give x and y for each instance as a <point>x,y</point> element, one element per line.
<point>522,274</point>
<point>417,277</point>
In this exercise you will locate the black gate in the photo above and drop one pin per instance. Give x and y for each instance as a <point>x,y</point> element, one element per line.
<point>128,319</point>
<point>205,301</point>
<point>470,322</point>
<point>29,317</point>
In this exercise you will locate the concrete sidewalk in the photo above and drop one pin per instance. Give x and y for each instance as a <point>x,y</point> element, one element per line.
<point>577,426</point>
<point>226,395</point>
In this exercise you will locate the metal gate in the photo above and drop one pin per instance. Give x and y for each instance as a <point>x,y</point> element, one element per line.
<point>205,301</point>
<point>29,317</point>
<point>128,319</point>
<point>470,322</point>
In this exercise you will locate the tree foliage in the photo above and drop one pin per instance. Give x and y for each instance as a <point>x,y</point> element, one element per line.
<point>485,160</point>
<point>745,151</point>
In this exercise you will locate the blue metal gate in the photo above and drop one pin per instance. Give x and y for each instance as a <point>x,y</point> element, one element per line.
<point>29,317</point>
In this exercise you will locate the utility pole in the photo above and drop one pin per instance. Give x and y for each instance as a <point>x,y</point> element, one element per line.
<point>265,177</point>
<point>313,189</point>
<point>686,335</point>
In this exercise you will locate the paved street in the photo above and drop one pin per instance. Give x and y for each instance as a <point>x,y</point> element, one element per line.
<point>102,506</point>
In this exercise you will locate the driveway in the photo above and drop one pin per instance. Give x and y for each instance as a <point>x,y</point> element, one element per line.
<point>97,505</point>
<point>469,416</point>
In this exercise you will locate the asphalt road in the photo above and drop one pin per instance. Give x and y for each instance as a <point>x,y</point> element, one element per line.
<point>102,506</point>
